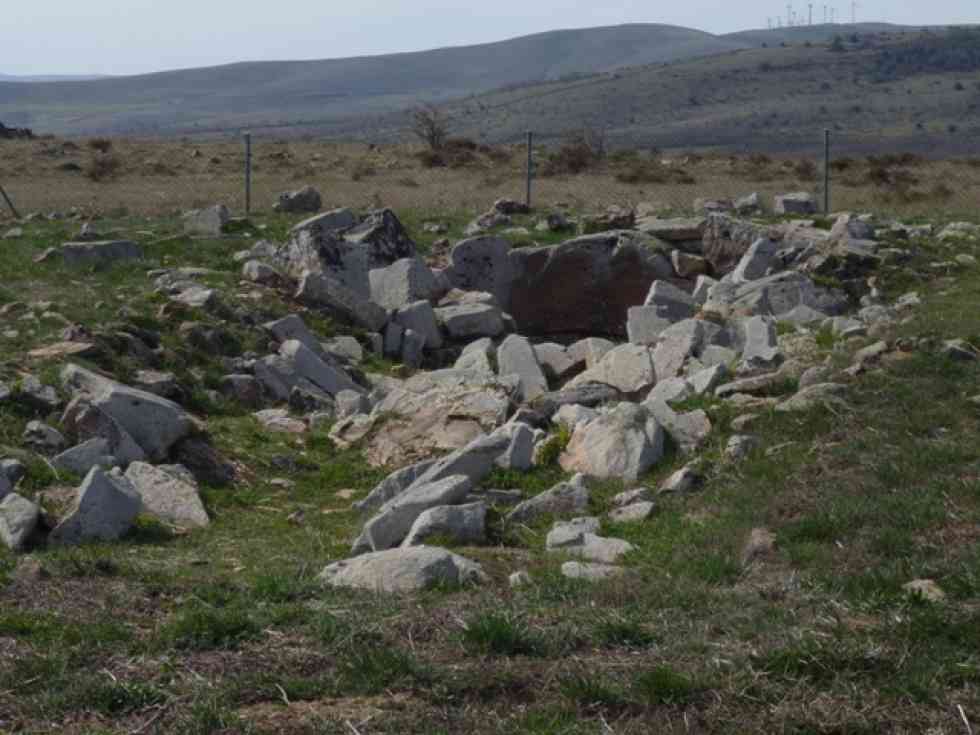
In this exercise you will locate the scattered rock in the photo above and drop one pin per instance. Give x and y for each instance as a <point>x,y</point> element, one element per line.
<point>622,443</point>
<point>306,199</point>
<point>403,570</point>
<point>590,572</point>
<point>563,499</point>
<point>104,509</point>
<point>925,589</point>
<point>461,524</point>
<point>208,222</point>
<point>632,513</point>
<point>18,519</point>
<point>170,493</point>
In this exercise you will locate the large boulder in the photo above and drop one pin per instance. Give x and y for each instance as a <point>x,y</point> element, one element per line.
<point>483,264</point>
<point>401,283</point>
<point>208,222</point>
<point>325,291</point>
<point>393,521</point>
<point>583,286</point>
<point>471,321</point>
<point>403,570</point>
<point>628,368</point>
<point>334,221</point>
<point>799,202</point>
<point>104,509</point>
<point>727,239</point>
<point>462,524</point>
<point>565,498</point>
<point>516,356</point>
<point>170,493</point>
<point>154,423</point>
<point>18,519</point>
<point>432,412</point>
<point>420,317</point>
<point>623,443</point>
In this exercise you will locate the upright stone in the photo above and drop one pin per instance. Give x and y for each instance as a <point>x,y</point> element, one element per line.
<point>515,356</point>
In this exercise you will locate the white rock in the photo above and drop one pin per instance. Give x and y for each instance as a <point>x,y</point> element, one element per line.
<point>18,519</point>
<point>623,443</point>
<point>590,572</point>
<point>168,494</point>
<point>403,570</point>
<point>632,513</point>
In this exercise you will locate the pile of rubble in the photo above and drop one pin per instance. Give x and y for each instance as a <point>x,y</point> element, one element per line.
<point>601,340</point>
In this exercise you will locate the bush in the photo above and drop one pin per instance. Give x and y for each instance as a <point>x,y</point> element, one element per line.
<point>102,145</point>
<point>103,166</point>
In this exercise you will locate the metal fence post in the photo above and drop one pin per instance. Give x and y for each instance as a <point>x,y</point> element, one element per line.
<point>826,171</point>
<point>248,174</point>
<point>9,203</point>
<point>530,166</point>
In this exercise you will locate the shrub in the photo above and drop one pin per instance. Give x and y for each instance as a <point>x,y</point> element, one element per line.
<point>102,145</point>
<point>430,125</point>
<point>103,166</point>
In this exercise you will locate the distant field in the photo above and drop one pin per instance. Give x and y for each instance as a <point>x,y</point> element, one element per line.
<point>154,178</point>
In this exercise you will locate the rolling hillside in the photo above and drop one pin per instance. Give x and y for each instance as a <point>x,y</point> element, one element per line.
<point>274,92</point>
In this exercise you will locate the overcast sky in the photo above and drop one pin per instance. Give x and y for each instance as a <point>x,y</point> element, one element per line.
<point>136,36</point>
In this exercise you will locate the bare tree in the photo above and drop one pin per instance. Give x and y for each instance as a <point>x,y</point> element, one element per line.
<point>430,125</point>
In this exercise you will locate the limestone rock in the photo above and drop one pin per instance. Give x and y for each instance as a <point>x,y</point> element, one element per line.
<point>463,524</point>
<point>628,368</point>
<point>208,222</point>
<point>403,282</point>
<point>169,493</point>
<point>306,199</point>
<point>515,356</point>
<point>104,509</point>
<point>403,570</point>
<point>562,499</point>
<point>590,572</point>
<point>18,519</point>
<point>622,443</point>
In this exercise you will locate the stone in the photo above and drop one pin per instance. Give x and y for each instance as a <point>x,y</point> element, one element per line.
<point>689,431</point>
<point>344,347</point>
<point>572,415</point>
<point>761,344</point>
<point>672,303</point>
<point>306,364</point>
<point>168,493</point>
<point>104,509</point>
<point>32,393</point>
<point>519,455</point>
<point>208,222</point>
<point>599,549</point>
<point>683,480</point>
<point>515,356</point>
<point>394,484</point>
<point>393,334</point>
<point>61,351</point>
<point>589,351</point>
<point>323,291</point>
<point>563,499</point>
<point>469,321</point>
<point>483,264</point>
<point>813,395</point>
<point>587,394</point>
<point>687,265</point>
<point>564,534</point>
<point>81,458</point>
<point>258,272</point>
<point>740,446</point>
<point>278,419</point>
<point>42,437</point>
<point>675,345</point>
<point>7,471</point>
<point>799,202</point>
<point>393,521</point>
<point>403,282</point>
<point>409,569</point>
<point>100,253</point>
<point>702,286</point>
<point>334,221</point>
<point>243,389</point>
<point>87,421</point>
<point>420,317</point>
<point>519,579</point>
<point>959,350</point>
<point>293,327</point>
<point>674,230</point>
<point>461,524</point>
<point>704,382</point>
<point>412,349</point>
<point>629,497</point>
<point>623,443</point>
<point>632,513</point>
<point>670,391</point>
<point>555,360</point>
<point>350,403</point>
<point>756,262</point>
<point>628,368</point>
<point>749,204</point>
<point>18,519</point>
<point>478,356</point>
<point>924,589</point>
<point>590,572</point>
<point>306,199</point>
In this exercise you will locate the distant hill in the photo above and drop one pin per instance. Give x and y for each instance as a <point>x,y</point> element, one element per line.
<point>646,83</point>
<point>264,93</point>
<point>50,77</point>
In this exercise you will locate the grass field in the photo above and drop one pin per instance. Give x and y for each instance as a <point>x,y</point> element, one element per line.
<point>164,178</point>
<point>226,630</point>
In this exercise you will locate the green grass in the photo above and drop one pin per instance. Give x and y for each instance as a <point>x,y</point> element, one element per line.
<point>500,634</point>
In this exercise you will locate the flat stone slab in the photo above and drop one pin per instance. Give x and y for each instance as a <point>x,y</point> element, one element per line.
<point>408,569</point>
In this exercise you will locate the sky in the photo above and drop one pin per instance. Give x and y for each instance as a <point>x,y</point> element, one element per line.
<point>137,36</point>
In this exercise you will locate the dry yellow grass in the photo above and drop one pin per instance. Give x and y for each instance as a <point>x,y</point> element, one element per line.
<point>163,177</point>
